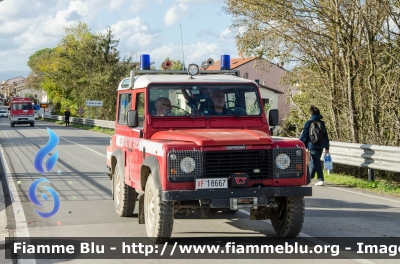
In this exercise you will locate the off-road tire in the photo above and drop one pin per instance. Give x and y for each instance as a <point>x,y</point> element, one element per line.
<point>159,215</point>
<point>206,212</point>
<point>124,195</point>
<point>288,219</point>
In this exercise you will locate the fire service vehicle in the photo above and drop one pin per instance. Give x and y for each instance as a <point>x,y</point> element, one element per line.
<point>199,140</point>
<point>21,111</point>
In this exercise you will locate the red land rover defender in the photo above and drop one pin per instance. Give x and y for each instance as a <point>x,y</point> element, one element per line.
<point>21,111</point>
<point>199,141</point>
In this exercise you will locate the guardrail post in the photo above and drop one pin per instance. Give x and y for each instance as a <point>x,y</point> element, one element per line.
<point>371,175</point>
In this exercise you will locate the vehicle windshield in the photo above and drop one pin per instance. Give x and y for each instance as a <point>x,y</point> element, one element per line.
<point>204,100</point>
<point>22,106</point>
<point>3,111</point>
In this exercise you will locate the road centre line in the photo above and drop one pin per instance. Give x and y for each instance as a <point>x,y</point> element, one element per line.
<point>78,144</point>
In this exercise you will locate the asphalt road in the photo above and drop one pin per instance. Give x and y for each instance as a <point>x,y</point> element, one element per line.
<point>86,210</point>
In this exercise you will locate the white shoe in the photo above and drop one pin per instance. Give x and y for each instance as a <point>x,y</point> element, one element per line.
<point>320,183</point>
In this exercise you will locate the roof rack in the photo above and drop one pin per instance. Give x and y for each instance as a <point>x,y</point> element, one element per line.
<point>144,72</point>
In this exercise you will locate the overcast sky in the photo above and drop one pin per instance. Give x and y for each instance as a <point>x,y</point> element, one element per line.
<point>142,26</point>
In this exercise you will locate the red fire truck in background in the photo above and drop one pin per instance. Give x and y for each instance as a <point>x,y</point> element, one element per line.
<point>21,111</point>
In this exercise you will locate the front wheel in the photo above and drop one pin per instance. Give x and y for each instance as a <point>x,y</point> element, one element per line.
<point>12,124</point>
<point>32,124</point>
<point>159,215</point>
<point>124,195</point>
<point>288,219</point>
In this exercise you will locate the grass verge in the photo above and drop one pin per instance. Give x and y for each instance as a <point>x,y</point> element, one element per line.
<point>377,186</point>
<point>106,131</point>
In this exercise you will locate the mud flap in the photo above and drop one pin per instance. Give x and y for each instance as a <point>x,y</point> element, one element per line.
<point>141,209</point>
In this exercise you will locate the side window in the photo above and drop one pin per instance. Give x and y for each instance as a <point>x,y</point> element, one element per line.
<point>140,108</point>
<point>124,106</point>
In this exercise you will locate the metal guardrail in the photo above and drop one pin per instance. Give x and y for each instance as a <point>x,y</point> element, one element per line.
<point>365,155</point>
<point>83,121</point>
<point>373,157</point>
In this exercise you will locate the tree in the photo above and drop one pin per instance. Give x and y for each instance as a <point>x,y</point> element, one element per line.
<point>83,66</point>
<point>348,53</point>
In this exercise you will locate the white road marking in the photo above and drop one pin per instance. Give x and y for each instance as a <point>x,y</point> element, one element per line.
<point>20,219</point>
<point>78,144</point>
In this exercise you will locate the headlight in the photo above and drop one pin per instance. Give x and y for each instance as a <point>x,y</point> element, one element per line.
<point>282,161</point>
<point>188,164</point>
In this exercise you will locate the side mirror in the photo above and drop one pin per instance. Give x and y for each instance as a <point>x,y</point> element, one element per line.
<point>273,117</point>
<point>132,118</point>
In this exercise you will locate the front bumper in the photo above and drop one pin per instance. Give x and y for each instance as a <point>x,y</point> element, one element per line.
<point>261,192</point>
<point>22,120</point>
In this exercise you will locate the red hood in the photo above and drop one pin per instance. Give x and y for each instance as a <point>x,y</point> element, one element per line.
<point>217,137</point>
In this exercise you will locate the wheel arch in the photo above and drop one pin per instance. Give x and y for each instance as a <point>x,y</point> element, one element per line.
<point>117,157</point>
<point>150,165</point>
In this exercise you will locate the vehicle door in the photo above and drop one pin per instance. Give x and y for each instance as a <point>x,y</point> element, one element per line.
<point>124,132</point>
<point>135,155</point>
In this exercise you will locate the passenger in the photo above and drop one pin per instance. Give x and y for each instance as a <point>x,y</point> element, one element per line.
<point>163,106</point>
<point>218,102</point>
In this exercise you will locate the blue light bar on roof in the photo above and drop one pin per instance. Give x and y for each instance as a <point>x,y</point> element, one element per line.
<point>225,62</point>
<point>145,62</point>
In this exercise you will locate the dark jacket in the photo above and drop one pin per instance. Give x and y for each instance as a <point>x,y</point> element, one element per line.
<point>305,135</point>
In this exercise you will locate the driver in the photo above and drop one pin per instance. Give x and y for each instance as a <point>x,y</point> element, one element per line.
<point>217,107</point>
<point>163,106</point>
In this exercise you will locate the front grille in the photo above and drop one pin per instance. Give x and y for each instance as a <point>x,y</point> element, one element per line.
<point>221,164</point>
<point>296,166</point>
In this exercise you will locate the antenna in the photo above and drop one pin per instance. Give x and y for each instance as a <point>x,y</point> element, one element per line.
<point>183,54</point>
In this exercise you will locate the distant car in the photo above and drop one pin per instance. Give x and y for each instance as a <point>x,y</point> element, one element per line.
<point>3,113</point>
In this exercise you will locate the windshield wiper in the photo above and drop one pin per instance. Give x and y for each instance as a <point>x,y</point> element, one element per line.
<point>183,110</point>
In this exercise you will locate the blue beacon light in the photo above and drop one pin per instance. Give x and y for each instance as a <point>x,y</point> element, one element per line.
<point>225,62</point>
<point>145,62</point>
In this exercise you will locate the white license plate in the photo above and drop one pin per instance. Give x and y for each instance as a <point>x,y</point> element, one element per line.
<point>212,183</point>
